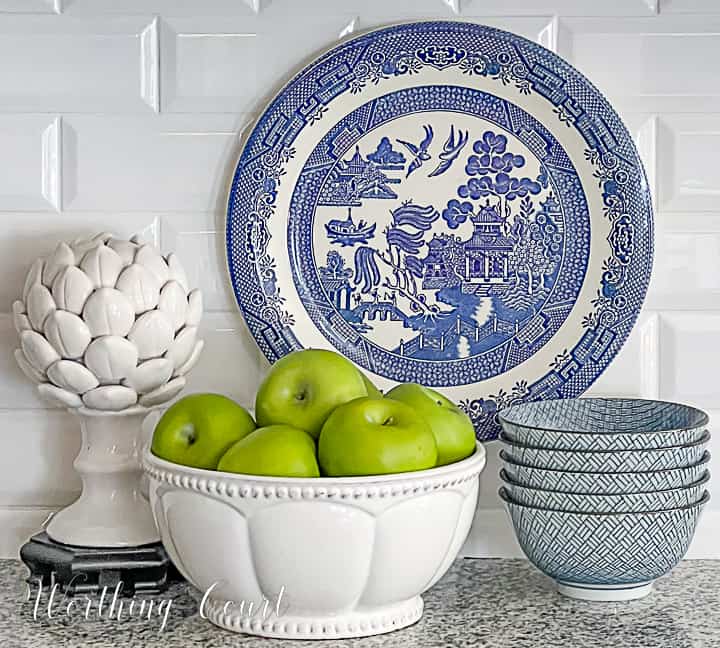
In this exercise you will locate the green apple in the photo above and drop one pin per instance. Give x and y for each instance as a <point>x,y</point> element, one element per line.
<point>453,429</point>
<point>372,391</point>
<point>276,450</point>
<point>198,429</point>
<point>304,387</point>
<point>370,436</point>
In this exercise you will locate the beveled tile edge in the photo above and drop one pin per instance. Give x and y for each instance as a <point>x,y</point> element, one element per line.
<point>650,357</point>
<point>646,141</point>
<point>453,5</point>
<point>150,65</point>
<point>51,171</point>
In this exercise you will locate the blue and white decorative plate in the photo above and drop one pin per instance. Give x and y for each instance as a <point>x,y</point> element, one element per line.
<point>443,203</point>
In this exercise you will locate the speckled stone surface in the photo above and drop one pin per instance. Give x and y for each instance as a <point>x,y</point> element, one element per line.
<point>484,603</point>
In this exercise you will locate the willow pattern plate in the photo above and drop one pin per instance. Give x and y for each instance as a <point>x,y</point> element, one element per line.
<point>445,203</point>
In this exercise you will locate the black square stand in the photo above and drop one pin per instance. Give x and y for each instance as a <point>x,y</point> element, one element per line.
<point>86,570</point>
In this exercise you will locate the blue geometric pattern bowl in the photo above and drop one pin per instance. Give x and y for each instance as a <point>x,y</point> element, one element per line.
<point>607,460</point>
<point>609,483</point>
<point>603,424</point>
<point>609,556</point>
<point>626,503</point>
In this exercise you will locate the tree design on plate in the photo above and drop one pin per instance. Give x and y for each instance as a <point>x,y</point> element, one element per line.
<point>449,281</point>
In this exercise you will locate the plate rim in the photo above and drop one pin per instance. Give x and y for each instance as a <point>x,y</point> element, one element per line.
<point>267,102</point>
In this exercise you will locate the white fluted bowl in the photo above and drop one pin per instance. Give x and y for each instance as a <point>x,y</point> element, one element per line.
<point>351,556</point>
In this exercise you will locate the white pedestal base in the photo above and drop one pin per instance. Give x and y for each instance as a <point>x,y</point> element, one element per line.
<point>342,626</point>
<point>605,592</point>
<point>111,511</point>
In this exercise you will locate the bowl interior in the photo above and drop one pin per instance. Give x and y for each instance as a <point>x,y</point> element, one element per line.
<point>604,415</point>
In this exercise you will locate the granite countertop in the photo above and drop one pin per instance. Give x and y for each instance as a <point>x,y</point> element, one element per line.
<point>479,602</point>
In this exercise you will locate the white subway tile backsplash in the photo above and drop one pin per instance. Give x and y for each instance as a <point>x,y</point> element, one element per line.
<point>686,272</point>
<point>489,477</point>
<point>18,524</point>
<point>687,171</point>
<point>634,370</point>
<point>564,7</point>
<point>212,67</point>
<point>39,471</point>
<point>689,6</point>
<point>50,63</point>
<point>222,64</point>
<point>231,363</point>
<point>27,236</point>
<point>30,6</point>
<point>405,9</point>
<point>689,357</point>
<point>699,222</point>
<point>29,162</point>
<point>165,7</point>
<point>542,28</point>
<point>283,9</point>
<point>216,64</point>
<point>172,162</point>
<point>277,10</point>
<point>198,240</point>
<point>16,390</point>
<point>649,64</point>
<point>644,128</point>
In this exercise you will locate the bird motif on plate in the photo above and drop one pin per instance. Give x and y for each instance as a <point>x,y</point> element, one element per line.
<point>451,150</point>
<point>419,151</point>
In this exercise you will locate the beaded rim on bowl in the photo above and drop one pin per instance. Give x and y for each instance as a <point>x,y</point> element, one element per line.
<point>702,417</point>
<point>505,497</point>
<point>704,479</point>
<point>703,460</point>
<point>705,438</point>
<point>256,486</point>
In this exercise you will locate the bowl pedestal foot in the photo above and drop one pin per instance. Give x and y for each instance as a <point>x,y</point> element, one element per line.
<point>356,623</point>
<point>628,592</point>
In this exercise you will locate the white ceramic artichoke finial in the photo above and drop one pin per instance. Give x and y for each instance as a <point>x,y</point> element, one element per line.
<point>107,324</point>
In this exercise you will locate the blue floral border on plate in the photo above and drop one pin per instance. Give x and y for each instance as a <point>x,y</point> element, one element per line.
<point>477,50</point>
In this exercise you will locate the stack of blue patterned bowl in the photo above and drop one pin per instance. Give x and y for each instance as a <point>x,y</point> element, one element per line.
<point>604,494</point>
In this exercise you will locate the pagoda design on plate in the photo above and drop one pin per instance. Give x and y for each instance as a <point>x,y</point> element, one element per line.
<point>359,178</point>
<point>486,255</point>
<point>443,279</point>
